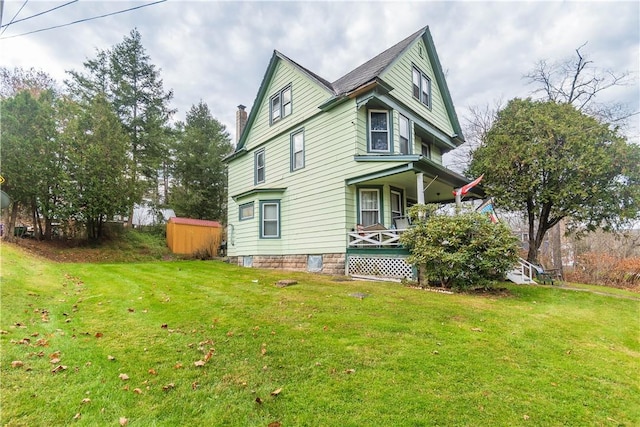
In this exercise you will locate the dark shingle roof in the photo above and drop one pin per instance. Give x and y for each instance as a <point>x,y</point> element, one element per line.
<point>374,67</point>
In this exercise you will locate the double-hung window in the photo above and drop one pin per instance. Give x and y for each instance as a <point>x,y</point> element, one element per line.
<point>421,87</point>
<point>404,134</point>
<point>369,206</point>
<point>379,131</point>
<point>259,167</point>
<point>270,219</point>
<point>297,150</point>
<point>280,104</point>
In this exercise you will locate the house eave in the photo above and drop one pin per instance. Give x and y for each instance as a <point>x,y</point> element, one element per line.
<point>254,191</point>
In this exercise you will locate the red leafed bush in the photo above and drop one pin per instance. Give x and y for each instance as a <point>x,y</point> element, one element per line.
<point>603,269</point>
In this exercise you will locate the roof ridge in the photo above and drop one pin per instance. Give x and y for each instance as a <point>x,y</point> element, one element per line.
<point>372,68</point>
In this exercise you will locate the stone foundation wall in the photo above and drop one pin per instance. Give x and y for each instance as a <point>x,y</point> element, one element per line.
<point>331,263</point>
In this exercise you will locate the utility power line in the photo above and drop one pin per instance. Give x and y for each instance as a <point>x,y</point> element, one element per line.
<point>38,14</point>
<point>81,20</point>
<point>14,16</point>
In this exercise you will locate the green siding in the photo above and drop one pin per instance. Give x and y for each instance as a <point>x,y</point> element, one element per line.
<point>399,76</point>
<point>306,97</point>
<point>317,209</point>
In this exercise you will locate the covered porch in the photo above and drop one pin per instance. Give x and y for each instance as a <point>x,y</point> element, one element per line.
<point>382,198</point>
<point>381,201</point>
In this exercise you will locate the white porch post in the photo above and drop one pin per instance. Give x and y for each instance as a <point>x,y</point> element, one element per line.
<point>420,187</point>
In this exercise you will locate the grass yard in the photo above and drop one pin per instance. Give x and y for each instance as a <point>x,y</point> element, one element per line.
<point>205,343</point>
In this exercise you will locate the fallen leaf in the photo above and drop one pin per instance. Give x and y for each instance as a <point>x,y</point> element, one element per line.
<point>137,391</point>
<point>123,377</point>
<point>194,385</point>
<point>177,365</point>
<point>17,364</point>
<point>199,363</point>
<point>35,334</point>
<point>350,371</point>
<point>55,361</point>
<point>58,369</point>
<point>86,400</point>
<point>525,417</point>
<point>164,326</point>
<point>42,343</point>
<point>208,355</point>
<point>77,416</point>
<point>55,355</point>
<point>111,357</point>
<point>168,386</point>
<point>258,401</point>
<point>275,424</point>
<point>476,329</point>
<point>153,372</point>
<point>99,335</point>
<point>276,392</point>
<point>123,421</point>
<point>131,310</point>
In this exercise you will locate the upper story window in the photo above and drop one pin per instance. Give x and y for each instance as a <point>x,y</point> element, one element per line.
<point>258,167</point>
<point>297,150</point>
<point>426,150</point>
<point>280,104</point>
<point>421,87</point>
<point>379,131</point>
<point>404,134</point>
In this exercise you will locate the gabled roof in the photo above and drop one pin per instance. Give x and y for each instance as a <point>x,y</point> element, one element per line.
<point>364,74</point>
<point>371,69</point>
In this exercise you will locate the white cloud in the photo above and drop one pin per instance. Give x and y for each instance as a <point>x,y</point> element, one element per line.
<point>218,51</point>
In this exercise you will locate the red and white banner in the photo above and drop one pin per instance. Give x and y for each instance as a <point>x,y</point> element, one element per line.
<point>465,189</point>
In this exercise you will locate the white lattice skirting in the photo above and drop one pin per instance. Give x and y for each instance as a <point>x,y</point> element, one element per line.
<point>379,266</point>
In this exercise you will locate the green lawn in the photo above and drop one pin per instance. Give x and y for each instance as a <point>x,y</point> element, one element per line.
<point>310,354</point>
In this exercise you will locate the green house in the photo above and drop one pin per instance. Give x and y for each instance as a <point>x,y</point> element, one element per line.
<point>323,173</point>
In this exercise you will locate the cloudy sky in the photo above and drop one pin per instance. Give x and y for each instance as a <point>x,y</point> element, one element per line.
<point>218,51</point>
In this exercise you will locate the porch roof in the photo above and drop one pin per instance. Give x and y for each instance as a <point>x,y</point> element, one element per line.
<point>439,181</point>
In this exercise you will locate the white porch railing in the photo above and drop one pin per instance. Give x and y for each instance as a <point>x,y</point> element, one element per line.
<point>374,238</point>
<point>523,272</point>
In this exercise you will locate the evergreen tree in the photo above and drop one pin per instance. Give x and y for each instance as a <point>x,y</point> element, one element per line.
<point>200,188</point>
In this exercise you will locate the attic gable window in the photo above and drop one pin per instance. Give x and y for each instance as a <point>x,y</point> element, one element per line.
<point>280,105</point>
<point>421,87</point>
<point>379,131</point>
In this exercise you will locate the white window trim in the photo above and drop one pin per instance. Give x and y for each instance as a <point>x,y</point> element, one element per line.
<point>281,107</point>
<point>294,152</point>
<point>425,83</point>
<point>361,210</point>
<point>387,131</point>
<point>408,137</point>
<point>263,204</point>
<point>256,168</point>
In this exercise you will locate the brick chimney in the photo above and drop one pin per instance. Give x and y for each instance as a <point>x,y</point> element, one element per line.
<point>241,121</point>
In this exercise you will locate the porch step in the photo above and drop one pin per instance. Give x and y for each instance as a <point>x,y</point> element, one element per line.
<point>516,276</point>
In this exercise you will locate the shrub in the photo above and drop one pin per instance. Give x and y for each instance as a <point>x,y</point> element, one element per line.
<point>599,268</point>
<point>460,251</point>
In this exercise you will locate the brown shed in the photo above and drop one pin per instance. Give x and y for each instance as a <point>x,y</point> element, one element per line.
<point>190,236</point>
